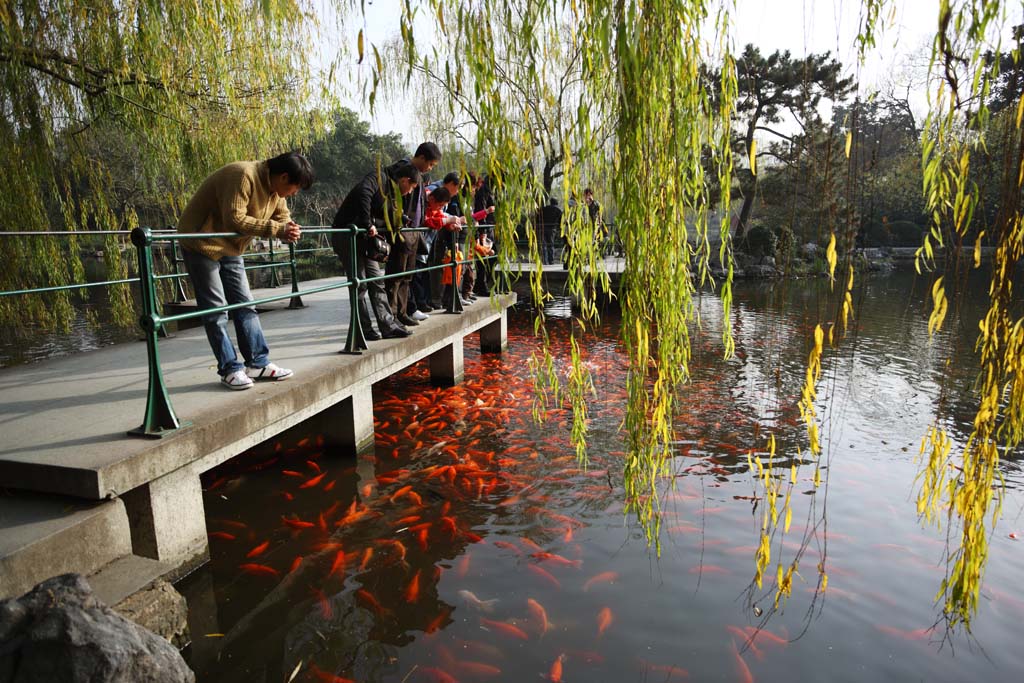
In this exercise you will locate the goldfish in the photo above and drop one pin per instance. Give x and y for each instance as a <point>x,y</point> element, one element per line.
<point>296,523</point>
<point>555,673</point>
<point>325,605</point>
<point>295,563</point>
<point>604,620</point>
<point>259,570</point>
<point>291,473</point>
<point>531,545</point>
<point>222,535</point>
<point>339,563</point>
<point>258,550</point>
<point>504,628</point>
<point>412,591</point>
<point>463,567</point>
<point>916,634</point>
<point>322,676</point>
<point>539,614</point>
<point>505,545</point>
<point>603,577</point>
<point>765,635</point>
<point>748,642</point>
<point>741,666</point>
<point>478,669</point>
<point>366,599</point>
<point>367,556</point>
<point>556,559</point>
<point>486,606</point>
<point>313,482</point>
<point>434,675</point>
<point>437,622</point>
<point>544,574</point>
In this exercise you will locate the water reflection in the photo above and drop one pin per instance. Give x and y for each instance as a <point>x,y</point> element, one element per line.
<point>471,545</point>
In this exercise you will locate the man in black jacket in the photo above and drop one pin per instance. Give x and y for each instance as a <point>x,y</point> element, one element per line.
<point>405,248</point>
<point>371,207</point>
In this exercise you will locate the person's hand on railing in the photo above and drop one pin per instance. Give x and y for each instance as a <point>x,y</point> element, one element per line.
<point>292,232</point>
<point>372,232</point>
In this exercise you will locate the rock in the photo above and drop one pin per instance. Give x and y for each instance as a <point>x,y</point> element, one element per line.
<point>761,271</point>
<point>809,250</point>
<point>768,261</point>
<point>60,631</point>
<point>160,609</point>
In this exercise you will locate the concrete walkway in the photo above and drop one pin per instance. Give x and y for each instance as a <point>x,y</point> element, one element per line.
<point>63,422</point>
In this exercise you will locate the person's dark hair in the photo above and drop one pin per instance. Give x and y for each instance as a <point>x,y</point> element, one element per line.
<point>553,202</point>
<point>429,151</point>
<point>453,178</point>
<point>300,171</point>
<point>472,180</point>
<point>588,191</point>
<point>407,171</point>
<point>441,195</point>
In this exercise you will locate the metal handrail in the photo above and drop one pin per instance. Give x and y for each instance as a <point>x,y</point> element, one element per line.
<point>159,419</point>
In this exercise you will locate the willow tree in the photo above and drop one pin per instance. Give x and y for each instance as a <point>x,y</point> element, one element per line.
<point>641,63</point>
<point>99,95</point>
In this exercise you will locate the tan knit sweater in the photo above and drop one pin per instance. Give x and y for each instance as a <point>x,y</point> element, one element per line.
<point>235,198</point>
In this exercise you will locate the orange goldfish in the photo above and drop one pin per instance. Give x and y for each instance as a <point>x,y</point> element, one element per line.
<point>510,630</point>
<point>604,620</point>
<point>258,550</point>
<point>539,614</point>
<point>603,577</point>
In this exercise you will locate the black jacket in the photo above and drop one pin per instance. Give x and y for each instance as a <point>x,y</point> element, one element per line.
<point>364,206</point>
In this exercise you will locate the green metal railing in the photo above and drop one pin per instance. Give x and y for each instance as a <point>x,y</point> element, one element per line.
<point>159,419</point>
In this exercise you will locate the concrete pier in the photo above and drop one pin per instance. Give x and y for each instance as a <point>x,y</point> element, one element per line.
<point>63,422</point>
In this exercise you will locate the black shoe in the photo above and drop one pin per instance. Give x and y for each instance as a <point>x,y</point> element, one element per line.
<point>397,333</point>
<point>371,335</point>
<point>406,320</point>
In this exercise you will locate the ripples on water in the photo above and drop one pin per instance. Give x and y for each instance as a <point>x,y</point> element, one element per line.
<point>470,546</point>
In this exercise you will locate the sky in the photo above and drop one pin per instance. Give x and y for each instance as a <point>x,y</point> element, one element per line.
<point>800,26</point>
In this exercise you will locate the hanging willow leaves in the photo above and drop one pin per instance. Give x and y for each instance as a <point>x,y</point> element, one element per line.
<point>111,112</point>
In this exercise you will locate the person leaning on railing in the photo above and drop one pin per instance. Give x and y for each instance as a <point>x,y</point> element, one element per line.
<point>365,207</point>
<point>246,197</point>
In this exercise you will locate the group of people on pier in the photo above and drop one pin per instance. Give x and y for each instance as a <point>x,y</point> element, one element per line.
<point>249,197</point>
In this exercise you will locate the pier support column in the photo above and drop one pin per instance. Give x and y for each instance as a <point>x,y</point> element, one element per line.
<point>167,519</point>
<point>346,426</point>
<point>494,337</point>
<point>446,365</point>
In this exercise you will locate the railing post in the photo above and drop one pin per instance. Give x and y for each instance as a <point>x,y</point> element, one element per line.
<point>178,281</point>
<point>454,303</point>
<point>355,343</point>
<point>273,266</point>
<point>296,301</point>
<point>159,419</point>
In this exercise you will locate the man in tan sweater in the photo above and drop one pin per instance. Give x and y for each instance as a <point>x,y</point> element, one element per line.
<point>247,197</point>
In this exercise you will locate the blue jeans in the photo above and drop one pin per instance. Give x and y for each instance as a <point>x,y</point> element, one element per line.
<point>219,283</point>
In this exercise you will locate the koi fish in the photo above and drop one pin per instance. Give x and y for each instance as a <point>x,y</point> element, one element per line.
<point>505,545</point>
<point>531,545</point>
<point>325,677</point>
<point>747,641</point>
<point>539,614</point>
<point>222,535</point>
<point>486,606</point>
<point>258,550</point>
<point>339,563</point>
<point>291,473</point>
<point>604,620</point>
<point>916,634</point>
<point>603,577</point>
<point>544,574</point>
<point>504,628</point>
<point>367,556</point>
<point>437,622</point>
<point>325,605</point>
<point>463,567</point>
<point>313,482</point>
<point>766,635</point>
<point>259,570</point>
<point>295,563</point>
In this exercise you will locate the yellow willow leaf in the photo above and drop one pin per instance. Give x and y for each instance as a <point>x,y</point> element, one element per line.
<point>831,256</point>
<point>824,582</point>
<point>817,477</point>
<point>359,46</point>
<point>849,142</point>
<point>792,474</point>
<point>1020,110</point>
<point>789,517</point>
<point>977,250</point>
<point>753,157</point>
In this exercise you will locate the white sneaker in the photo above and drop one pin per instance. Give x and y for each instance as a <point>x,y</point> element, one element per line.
<point>236,381</point>
<point>419,316</point>
<point>270,371</point>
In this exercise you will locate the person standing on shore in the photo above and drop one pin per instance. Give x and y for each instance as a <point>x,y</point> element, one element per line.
<point>247,197</point>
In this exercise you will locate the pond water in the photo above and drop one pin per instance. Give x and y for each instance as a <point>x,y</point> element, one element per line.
<point>471,546</point>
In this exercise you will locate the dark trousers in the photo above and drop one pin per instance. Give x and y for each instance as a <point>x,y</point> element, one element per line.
<point>372,298</point>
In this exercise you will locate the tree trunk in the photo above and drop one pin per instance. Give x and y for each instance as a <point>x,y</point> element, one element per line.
<point>748,198</point>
